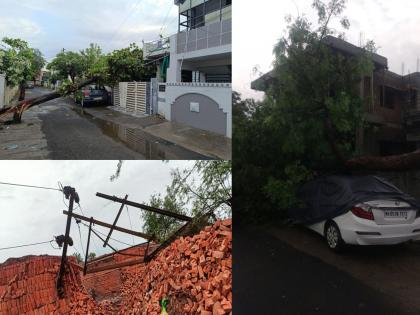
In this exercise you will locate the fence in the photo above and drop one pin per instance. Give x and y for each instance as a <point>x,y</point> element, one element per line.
<point>133,97</point>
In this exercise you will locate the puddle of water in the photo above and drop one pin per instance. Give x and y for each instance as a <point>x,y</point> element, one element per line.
<point>136,139</point>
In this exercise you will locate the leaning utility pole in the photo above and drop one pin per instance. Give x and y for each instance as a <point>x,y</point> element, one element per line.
<point>71,195</point>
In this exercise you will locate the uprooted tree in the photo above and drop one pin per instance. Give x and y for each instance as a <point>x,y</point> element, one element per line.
<point>308,122</point>
<point>84,68</point>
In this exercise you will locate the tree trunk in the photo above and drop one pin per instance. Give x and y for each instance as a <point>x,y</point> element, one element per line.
<point>18,109</point>
<point>399,163</point>
<point>21,92</point>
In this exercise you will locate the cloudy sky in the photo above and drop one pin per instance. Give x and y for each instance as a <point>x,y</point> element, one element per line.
<point>393,25</point>
<point>31,215</point>
<point>52,25</point>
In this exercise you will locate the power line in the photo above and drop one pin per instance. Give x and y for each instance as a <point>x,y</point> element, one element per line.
<point>26,245</point>
<point>29,186</point>
<point>129,220</point>
<point>107,235</point>
<point>123,22</point>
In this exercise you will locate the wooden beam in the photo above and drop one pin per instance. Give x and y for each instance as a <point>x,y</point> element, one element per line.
<point>171,214</point>
<point>115,221</point>
<point>139,234</point>
<point>115,266</point>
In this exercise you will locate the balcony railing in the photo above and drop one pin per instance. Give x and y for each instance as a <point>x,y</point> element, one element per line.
<point>156,47</point>
<point>208,36</point>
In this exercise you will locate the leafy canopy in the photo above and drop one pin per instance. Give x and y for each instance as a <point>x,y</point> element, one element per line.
<point>207,185</point>
<point>19,61</point>
<point>309,119</point>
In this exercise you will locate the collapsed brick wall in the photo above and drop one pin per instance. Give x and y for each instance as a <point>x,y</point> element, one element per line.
<point>107,284</point>
<point>28,286</point>
<point>195,273</point>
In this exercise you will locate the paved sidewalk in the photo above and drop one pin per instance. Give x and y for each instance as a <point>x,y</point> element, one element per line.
<point>203,142</point>
<point>33,147</point>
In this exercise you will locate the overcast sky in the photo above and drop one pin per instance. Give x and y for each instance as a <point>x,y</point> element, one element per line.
<point>393,25</point>
<point>31,215</point>
<point>52,25</point>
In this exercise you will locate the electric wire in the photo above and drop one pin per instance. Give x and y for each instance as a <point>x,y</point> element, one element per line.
<point>29,186</point>
<point>129,220</point>
<point>103,234</point>
<point>26,245</point>
<point>123,22</point>
<point>80,235</point>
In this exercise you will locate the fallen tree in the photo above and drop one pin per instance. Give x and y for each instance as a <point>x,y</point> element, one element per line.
<point>399,163</point>
<point>18,109</point>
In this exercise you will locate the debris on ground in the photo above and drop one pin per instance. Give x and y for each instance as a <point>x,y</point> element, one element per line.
<point>193,274</point>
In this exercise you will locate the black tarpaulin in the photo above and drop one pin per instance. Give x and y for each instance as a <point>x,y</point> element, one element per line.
<point>330,196</point>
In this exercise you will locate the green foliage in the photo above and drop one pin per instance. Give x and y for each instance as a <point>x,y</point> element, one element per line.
<point>122,65</point>
<point>79,257</point>
<point>307,121</point>
<point>68,64</point>
<point>38,62</point>
<point>159,225</point>
<point>127,64</point>
<point>19,62</point>
<point>205,186</point>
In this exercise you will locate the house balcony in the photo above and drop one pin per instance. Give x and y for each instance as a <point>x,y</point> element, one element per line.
<point>156,48</point>
<point>209,36</point>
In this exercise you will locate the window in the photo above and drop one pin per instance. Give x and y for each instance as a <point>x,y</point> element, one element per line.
<point>389,97</point>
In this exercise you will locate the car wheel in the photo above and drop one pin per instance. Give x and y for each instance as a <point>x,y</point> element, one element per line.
<point>333,236</point>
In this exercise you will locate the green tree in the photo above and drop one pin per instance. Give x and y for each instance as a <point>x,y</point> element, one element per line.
<point>307,122</point>
<point>159,225</point>
<point>91,256</point>
<point>68,64</point>
<point>19,62</point>
<point>127,64</point>
<point>207,185</point>
<point>37,62</point>
<point>79,257</point>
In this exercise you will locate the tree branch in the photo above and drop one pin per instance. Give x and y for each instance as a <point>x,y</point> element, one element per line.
<point>403,162</point>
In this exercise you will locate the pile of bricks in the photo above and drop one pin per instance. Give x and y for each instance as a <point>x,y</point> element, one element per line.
<point>28,286</point>
<point>194,273</point>
<point>107,284</point>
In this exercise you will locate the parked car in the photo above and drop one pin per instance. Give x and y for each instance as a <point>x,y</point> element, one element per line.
<point>359,210</point>
<point>92,95</point>
<point>29,85</point>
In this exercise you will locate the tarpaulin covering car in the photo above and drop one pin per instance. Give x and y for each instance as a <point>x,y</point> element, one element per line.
<point>330,196</point>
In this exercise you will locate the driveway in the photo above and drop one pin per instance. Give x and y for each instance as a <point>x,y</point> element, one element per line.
<point>273,275</point>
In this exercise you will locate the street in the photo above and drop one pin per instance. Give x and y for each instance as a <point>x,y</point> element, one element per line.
<point>60,129</point>
<point>274,277</point>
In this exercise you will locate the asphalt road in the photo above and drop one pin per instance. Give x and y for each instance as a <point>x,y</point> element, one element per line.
<point>272,277</point>
<point>70,134</point>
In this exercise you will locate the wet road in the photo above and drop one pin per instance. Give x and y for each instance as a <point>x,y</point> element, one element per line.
<point>272,277</point>
<point>73,134</point>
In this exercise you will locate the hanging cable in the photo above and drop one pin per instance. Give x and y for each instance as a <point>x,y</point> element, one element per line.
<point>99,232</point>
<point>129,220</point>
<point>26,245</point>
<point>80,236</point>
<point>29,186</point>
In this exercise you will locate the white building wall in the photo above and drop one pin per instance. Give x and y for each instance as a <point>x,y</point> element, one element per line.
<point>221,93</point>
<point>2,89</point>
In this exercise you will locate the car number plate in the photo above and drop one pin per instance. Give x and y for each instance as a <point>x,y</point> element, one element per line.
<point>97,98</point>
<point>396,214</point>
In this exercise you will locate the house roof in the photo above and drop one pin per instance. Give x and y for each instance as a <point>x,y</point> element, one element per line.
<point>262,83</point>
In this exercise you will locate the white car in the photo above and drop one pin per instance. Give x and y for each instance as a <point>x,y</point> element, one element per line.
<point>378,222</point>
<point>373,221</point>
